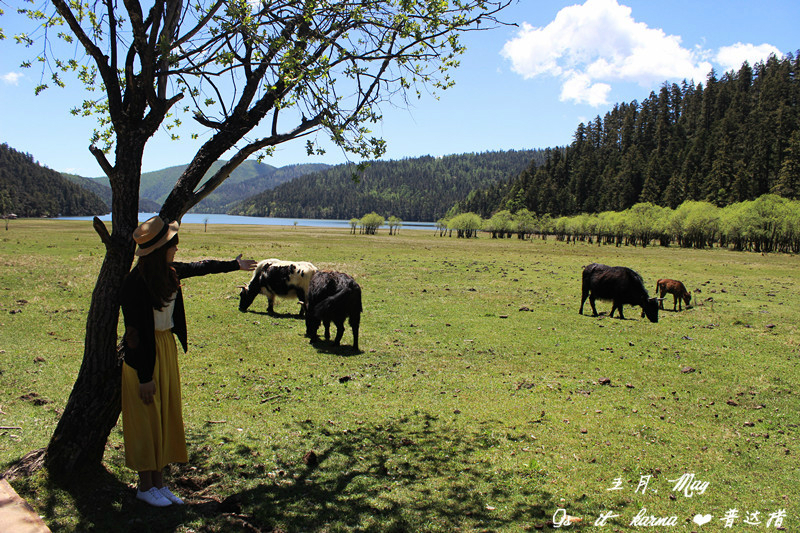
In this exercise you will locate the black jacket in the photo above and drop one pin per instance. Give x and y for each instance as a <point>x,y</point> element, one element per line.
<point>138,314</point>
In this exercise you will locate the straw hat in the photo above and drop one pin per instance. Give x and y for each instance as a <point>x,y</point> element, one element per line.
<point>153,234</point>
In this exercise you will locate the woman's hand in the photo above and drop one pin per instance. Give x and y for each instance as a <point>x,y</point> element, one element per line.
<point>245,264</point>
<point>147,391</point>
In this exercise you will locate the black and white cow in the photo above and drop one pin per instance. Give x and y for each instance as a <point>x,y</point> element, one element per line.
<point>274,277</point>
<point>333,297</point>
<point>621,285</point>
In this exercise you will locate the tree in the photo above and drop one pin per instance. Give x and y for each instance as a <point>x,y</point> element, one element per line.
<point>441,226</point>
<point>525,223</point>
<point>466,225</point>
<point>5,206</point>
<point>321,66</point>
<point>371,222</point>
<point>695,224</point>
<point>640,220</point>
<point>500,224</point>
<point>394,225</point>
<point>788,184</point>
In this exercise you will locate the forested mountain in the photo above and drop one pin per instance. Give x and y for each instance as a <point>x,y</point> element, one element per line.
<point>249,178</point>
<point>418,189</point>
<point>36,191</point>
<point>103,192</point>
<point>733,139</point>
<point>236,188</point>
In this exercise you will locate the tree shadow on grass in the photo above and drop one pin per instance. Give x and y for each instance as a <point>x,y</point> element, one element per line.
<point>92,500</point>
<point>415,473</point>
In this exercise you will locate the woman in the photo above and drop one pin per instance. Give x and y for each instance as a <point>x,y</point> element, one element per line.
<point>152,305</point>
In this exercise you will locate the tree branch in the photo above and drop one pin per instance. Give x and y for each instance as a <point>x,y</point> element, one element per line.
<point>304,128</point>
<point>200,26</point>
<point>102,231</point>
<point>98,154</point>
<point>108,73</point>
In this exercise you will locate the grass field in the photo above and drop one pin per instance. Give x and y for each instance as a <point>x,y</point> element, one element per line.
<point>481,399</point>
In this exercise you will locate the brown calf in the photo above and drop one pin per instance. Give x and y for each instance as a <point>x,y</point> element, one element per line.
<point>676,289</point>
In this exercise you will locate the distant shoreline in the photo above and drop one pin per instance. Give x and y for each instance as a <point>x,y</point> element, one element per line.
<point>208,218</point>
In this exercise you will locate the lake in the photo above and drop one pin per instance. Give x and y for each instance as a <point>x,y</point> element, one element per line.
<point>203,218</point>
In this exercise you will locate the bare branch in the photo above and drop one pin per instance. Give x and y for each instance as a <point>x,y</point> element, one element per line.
<point>201,24</point>
<point>98,154</point>
<point>102,231</point>
<point>222,174</point>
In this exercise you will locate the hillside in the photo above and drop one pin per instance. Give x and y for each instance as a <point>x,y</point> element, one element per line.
<point>733,139</point>
<point>418,189</point>
<point>37,191</point>
<point>103,191</point>
<point>245,184</point>
<point>249,178</point>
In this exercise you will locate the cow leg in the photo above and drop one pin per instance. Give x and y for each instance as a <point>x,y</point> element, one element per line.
<point>312,325</point>
<point>271,304</point>
<point>355,321</point>
<point>591,302</point>
<point>327,324</point>
<point>584,295</point>
<point>339,331</point>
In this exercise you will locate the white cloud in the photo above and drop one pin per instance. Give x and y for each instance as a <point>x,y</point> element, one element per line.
<point>732,57</point>
<point>12,78</point>
<point>592,45</point>
<point>579,88</point>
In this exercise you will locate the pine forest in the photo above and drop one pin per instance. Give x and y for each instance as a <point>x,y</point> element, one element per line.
<point>730,140</point>
<point>28,189</point>
<point>419,189</point>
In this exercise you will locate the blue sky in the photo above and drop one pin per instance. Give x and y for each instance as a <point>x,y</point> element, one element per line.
<point>518,87</point>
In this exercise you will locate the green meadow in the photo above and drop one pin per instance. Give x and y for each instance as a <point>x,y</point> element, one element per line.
<point>480,401</point>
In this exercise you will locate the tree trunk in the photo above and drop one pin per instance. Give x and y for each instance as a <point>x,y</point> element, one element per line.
<point>94,405</point>
<point>95,402</point>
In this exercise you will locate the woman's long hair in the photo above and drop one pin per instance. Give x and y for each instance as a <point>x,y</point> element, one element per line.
<point>159,276</point>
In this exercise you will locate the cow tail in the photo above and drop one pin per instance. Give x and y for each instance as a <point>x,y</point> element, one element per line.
<point>325,307</point>
<point>357,295</point>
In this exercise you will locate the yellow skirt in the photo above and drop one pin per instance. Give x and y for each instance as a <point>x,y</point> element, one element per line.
<point>153,433</point>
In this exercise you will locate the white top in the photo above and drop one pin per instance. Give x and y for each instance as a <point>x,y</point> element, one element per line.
<point>163,319</point>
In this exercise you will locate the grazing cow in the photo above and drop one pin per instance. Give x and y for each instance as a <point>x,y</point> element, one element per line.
<point>274,277</point>
<point>676,289</point>
<point>333,297</point>
<point>621,285</point>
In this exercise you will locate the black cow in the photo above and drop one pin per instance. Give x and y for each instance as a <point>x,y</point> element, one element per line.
<point>619,284</point>
<point>274,277</point>
<point>333,297</point>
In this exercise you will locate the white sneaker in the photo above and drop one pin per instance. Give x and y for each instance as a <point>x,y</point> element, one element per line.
<point>165,492</point>
<point>153,497</point>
